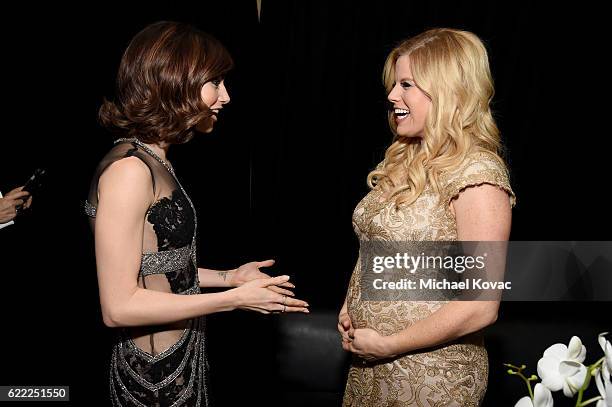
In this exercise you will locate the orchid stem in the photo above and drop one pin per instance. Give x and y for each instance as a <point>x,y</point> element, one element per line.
<point>519,372</point>
<point>589,401</point>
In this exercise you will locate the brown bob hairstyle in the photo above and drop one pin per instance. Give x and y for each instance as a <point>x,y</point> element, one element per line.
<point>158,95</point>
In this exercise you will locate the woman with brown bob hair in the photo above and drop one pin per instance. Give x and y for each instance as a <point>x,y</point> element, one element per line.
<point>170,84</point>
<point>442,179</point>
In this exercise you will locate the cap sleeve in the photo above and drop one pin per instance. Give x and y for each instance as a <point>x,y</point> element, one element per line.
<point>479,168</point>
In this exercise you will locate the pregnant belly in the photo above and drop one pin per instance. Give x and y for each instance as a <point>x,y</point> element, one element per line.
<point>389,317</point>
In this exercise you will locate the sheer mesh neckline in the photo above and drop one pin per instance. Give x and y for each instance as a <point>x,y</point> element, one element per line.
<point>171,216</point>
<point>148,150</point>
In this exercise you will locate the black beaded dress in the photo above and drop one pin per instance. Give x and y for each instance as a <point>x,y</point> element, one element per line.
<point>159,365</point>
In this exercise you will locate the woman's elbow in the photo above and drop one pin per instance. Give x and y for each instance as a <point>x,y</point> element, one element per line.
<point>109,320</point>
<point>480,317</point>
<point>487,317</point>
<point>113,318</point>
<point>116,311</point>
<point>491,318</point>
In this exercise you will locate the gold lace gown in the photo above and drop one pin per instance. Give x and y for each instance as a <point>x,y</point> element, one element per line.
<point>453,374</point>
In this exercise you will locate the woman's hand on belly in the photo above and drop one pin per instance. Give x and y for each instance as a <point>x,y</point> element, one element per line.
<point>370,345</point>
<point>345,327</point>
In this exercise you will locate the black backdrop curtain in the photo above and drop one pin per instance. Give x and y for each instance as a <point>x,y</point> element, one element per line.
<point>286,165</point>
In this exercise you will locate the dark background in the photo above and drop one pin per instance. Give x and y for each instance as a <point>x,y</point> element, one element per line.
<point>286,165</point>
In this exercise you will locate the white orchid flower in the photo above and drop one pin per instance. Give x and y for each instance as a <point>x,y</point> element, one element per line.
<point>607,348</point>
<point>542,397</point>
<point>602,375</point>
<point>561,367</point>
<point>602,379</point>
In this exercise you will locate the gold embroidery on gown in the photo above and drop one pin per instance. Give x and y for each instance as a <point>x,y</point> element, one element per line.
<point>453,374</point>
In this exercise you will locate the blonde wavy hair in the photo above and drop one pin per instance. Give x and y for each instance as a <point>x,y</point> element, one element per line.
<point>452,68</point>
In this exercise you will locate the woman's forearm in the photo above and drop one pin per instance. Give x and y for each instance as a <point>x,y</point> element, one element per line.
<point>215,278</point>
<point>149,307</point>
<point>451,321</point>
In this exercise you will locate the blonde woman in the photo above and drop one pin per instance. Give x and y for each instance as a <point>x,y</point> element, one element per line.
<point>442,179</point>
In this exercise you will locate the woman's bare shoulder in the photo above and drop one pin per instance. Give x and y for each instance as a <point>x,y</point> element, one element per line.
<point>128,177</point>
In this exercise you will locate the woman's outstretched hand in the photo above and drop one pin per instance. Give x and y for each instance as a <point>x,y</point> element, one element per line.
<point>264,295</point>
<point>251,271</point>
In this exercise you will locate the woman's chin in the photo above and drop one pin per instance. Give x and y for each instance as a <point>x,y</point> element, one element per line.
<point>408,134</point>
